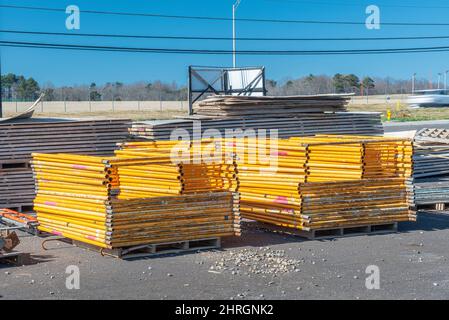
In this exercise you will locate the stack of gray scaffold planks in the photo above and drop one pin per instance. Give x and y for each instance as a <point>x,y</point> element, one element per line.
<point>431,167</point>
<point>20,138</point>
<point>290,116</point>
<point>431,190</point>
<point>353,123</point>
<point>431,153</point>
<point>269,106</point>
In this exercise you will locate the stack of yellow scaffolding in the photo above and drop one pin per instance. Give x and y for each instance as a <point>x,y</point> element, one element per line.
<point>201,166</point>
<point>79,197</point>
<point>328,181</point>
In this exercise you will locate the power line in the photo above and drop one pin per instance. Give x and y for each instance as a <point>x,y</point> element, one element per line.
<point>99,35</point>
<point>206,18</point>
<point>357,4</point>
<point>220,52</point>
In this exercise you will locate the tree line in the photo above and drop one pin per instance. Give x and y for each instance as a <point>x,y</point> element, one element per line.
<point>345,83</point>
<point>18,87</point>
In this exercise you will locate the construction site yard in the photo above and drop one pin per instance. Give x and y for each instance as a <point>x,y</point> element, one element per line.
<point>413,264</point>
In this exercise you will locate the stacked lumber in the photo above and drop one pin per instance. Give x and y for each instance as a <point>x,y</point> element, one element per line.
<point>329,181</point>
<point>21,138</point>
<point>431,166</point>
<point>347,123</point>
<point>77,197</point>
<point>263,106</point>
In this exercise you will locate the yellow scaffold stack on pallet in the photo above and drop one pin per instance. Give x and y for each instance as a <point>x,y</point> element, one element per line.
<point>328,181</point>
<point>196,173</point>
<point>79,197</point>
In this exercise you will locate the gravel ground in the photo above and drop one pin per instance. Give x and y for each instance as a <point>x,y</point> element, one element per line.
<point>413,264</point>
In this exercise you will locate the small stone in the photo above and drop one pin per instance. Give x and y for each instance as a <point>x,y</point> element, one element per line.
<point>435,284</point>
<point>299,288</point>
<point>169,275</point>
<point>356,277</point>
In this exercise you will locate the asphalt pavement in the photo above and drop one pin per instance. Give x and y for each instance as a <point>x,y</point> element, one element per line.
<point>414,125</point>
<point>412,264</point>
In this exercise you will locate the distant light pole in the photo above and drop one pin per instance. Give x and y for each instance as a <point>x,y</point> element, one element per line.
<point>445,79</point>
<point>234,9</point>
<point>413,83</point>
<point>439,80</point>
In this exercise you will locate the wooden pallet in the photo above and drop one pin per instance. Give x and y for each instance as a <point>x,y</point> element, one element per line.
<point>14,164</point>
<point>149,250</point>
<point>441,206</point>
<point>329,233</point>
<point>23,208</point>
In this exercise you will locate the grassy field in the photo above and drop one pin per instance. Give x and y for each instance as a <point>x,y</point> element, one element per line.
<point>398,113</point>
<point>403,113</point>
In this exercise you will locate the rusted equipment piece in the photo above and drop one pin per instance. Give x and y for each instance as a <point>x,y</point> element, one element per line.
<point>8,242</point>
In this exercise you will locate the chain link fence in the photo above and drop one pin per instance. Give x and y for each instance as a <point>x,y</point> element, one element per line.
<point>10,107</point>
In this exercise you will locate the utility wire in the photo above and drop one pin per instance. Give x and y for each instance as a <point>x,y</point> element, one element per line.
<point>220,52</point>
<point>218,38</point>
<point>353,4</point>
<point>206,18</point>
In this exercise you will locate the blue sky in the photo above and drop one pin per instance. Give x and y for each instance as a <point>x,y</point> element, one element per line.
<point>78,67</point>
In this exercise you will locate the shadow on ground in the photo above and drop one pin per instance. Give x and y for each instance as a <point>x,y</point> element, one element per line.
<point>427,221</point>
<point>253,237</point>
